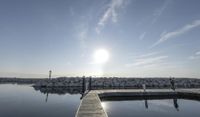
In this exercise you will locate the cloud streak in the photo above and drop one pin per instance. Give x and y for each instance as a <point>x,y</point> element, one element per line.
<point>110,13</point>
<point>82,36</point>
<point>166,36</point>
<point>142,36</point>
<point>156,15</point>
<point>195,56</point>
<point>147,60</point>
<point>159,11</point>
<point>144,55</point>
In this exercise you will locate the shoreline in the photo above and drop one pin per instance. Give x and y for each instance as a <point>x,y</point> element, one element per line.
<point>105,82</point>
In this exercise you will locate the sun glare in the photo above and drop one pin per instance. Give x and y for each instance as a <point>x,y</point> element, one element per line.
<point>101,56</point>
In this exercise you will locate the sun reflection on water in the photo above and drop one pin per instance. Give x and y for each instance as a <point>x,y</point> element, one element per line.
<point>104,105</point>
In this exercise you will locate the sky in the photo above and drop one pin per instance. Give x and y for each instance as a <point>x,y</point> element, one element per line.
<point>142,38</point>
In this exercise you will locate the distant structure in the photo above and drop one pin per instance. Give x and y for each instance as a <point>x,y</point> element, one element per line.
<point>50,74</point>
<point>172,82</point>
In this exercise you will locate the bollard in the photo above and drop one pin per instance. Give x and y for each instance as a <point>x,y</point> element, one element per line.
<point>90,83</point>
<point>83,84</point>
<point>144,87</point>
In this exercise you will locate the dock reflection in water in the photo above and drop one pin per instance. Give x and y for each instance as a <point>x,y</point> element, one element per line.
<point>175,102</point>
<point>172,107</point>
<point>60,91</point>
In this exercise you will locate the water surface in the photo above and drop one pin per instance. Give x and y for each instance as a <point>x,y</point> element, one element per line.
<point>153,108</point>
<point>24,101</point>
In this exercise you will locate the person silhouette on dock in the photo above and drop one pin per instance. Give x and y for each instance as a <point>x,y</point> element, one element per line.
<point>172,82</point>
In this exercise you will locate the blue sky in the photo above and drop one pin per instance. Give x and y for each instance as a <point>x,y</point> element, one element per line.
<point>144,38</point>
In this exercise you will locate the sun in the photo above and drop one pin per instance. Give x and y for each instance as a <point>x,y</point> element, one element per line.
<point>101,56</point>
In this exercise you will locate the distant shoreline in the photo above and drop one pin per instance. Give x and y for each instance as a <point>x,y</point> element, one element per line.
<point>104,82</point>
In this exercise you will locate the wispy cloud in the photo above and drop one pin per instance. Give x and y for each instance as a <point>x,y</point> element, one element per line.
<point>71,11</point>
<point>195,56</point>
<point>198,53</point>
<point>144,55</point>
<point>148,54</point>
<point>82,36</point>
<point>147,59</point>
<point>183,30</point>
<point>156,15</point>
<point>158,12</point>
<point>142,36</point>
<point>110,13</point>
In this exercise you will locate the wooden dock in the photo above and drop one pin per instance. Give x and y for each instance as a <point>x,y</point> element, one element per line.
<point>90,105</point>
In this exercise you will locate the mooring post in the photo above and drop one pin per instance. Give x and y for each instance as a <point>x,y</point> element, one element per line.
<point>144,87</point>
<point>90,83</point>
<point>174,84</point>
<point>83,84</point>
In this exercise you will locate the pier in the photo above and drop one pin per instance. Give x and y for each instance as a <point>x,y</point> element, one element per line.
<point>90,105</point>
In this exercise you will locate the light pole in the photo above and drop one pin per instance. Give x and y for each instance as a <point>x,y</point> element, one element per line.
<point>50,74</point>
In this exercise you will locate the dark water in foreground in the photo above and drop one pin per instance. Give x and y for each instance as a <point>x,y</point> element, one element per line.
<point>24,101</point>
<point>153,108</point>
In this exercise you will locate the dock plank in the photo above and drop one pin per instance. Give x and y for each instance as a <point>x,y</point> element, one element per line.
<point>90,106</point>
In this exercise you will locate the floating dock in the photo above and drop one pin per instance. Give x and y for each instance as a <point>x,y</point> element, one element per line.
<point>90,105</point>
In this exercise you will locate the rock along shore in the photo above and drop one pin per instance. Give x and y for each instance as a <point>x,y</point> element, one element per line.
<point>106,82</point>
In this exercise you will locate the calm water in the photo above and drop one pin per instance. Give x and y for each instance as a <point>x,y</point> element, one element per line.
<point>24,101</point>
<point>153,108</point>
